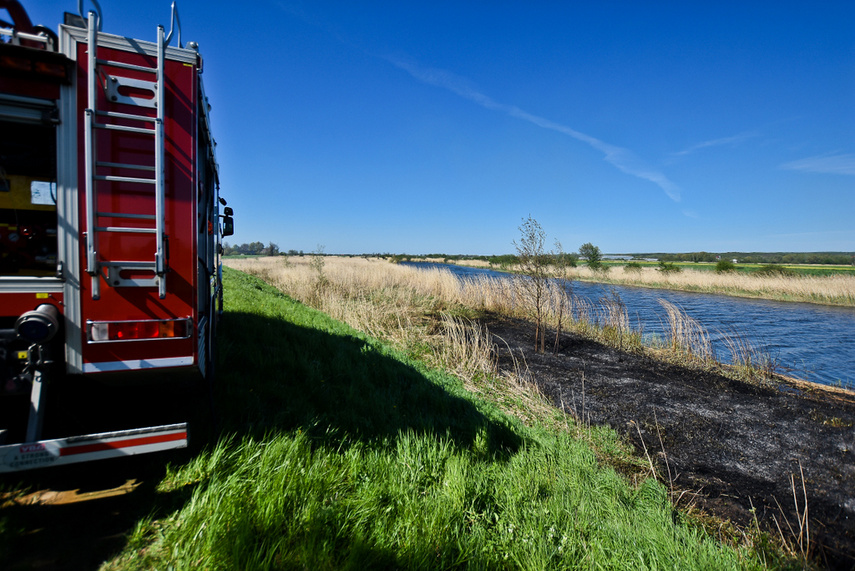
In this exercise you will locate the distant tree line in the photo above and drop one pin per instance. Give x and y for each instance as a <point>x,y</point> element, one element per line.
<point>586,251</point>
<point>595,258</point>
<point>250,249</point>
<point>839,258</point>
<point>792,258</point>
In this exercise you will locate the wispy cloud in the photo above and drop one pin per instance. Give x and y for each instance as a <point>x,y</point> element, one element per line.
<point>723,141</point>
<point>828,164</point>
<point>621,158</point>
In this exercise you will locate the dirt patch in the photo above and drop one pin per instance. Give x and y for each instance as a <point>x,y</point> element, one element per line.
<point>732,445</point>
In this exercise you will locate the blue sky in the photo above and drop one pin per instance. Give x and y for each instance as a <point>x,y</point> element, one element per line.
<point>424,127</point>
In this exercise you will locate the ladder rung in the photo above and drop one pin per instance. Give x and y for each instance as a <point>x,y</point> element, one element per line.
<point>110,76</point>
<point>125,166</point>
<point>124,128</point>
<point>125,229</point>
<point>131,116</point>
<point>130,216</point>
<point>113,178</point>
<point>130,265</point>
<point>127,65</point>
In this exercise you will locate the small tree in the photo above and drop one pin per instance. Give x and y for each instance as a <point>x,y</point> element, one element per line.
<point>317,263</point>
<point>594,257</point>
<point>534,267</point>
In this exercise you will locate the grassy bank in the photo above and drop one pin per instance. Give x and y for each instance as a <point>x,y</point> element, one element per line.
<point>345,453</point>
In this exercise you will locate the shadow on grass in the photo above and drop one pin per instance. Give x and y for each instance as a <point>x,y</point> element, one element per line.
<point>275,375</point>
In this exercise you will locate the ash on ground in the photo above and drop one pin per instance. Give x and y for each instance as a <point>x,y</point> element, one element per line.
<point>737,449</point>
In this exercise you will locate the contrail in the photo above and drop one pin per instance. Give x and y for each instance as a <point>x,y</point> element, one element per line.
<point>828,164</point>
<point>623,159</point>
<point>717,142</point>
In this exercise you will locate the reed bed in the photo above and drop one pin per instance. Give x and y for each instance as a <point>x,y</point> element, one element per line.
<point>410,308</point>
<point>424,313</point>
<point>687,336</point>
<point>371,295</point>
<point>829,290</point>
<point>474,263</point>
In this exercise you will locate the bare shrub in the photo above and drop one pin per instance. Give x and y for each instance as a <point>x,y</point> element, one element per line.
<point>534,281</point>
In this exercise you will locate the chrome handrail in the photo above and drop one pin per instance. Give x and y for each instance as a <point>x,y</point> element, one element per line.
<point>98,19</point>
<point>174,20</point>
<point>17,36</point>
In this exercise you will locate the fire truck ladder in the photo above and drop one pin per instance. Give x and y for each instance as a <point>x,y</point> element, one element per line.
<point>99,172</point>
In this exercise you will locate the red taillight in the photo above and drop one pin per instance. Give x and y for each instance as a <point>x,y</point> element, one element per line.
<point>36,63</point>
<point>15,63</point>
<point>52,69</point>
<point>138,330</point>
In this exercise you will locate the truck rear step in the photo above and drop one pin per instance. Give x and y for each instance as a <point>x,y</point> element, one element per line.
<point>44,453</point>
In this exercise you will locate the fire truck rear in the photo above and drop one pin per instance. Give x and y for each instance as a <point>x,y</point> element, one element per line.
<point>110,237</point>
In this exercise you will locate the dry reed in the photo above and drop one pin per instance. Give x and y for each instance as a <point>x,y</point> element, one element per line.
<point>796,540</point>
<point>418,311</point>
<point>404,305</point>
<point>831,290</point>
<point>687,337</point>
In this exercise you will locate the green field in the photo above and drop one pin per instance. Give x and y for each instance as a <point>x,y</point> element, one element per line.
<point>336,452</point>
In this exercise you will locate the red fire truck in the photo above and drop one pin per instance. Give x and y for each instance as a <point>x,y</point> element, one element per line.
<point>110,237</point>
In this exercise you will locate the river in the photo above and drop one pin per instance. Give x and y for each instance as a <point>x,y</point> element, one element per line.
<point>811,342</point>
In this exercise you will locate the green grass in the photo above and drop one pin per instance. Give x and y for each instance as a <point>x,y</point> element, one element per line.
<point>339,453</point>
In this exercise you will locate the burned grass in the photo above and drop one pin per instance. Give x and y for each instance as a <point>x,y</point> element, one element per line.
<point>728,448</point>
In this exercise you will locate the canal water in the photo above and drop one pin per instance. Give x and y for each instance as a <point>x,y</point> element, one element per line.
<point>807,341</point>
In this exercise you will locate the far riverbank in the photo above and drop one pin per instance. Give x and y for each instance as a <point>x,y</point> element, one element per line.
<point>823,289</point>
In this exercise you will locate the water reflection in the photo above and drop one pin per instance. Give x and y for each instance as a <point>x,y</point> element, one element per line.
<point>807,341</point>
